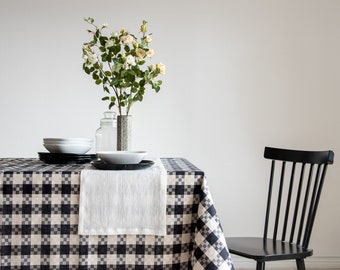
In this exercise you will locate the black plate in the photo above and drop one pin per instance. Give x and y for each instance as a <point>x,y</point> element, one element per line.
<point>54,158</point>
<point>101,165</point>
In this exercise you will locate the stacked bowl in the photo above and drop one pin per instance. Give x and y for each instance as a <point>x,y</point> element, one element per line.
<point>78,146</point>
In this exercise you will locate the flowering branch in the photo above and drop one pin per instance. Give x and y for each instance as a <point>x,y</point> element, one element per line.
<point>115,61</point>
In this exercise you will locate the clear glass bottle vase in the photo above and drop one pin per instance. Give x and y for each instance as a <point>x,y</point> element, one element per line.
<point>106,134</point>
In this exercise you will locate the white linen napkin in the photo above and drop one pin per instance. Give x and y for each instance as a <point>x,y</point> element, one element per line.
<point>123,202</point>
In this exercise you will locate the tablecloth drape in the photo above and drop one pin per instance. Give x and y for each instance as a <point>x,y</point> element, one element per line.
<point>39,223</point>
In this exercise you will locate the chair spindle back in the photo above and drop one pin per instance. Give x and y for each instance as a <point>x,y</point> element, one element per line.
<point>296,180</point>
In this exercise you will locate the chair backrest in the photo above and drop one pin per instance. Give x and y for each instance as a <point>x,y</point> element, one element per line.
<point>294,192</point>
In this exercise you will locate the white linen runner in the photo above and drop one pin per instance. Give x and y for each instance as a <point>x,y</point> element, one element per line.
<point>123,202</point>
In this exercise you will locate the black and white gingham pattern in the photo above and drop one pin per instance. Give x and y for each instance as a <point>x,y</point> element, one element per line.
<point>39,222</point>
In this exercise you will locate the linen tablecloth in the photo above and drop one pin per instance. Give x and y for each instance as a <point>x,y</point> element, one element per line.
<point>39,223</point>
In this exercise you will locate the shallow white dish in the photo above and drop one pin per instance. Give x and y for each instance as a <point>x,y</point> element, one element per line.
<point>67,140</point>
<point>122,157</point>
<point>68,148</point>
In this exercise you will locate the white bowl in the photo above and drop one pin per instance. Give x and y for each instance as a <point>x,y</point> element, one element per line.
<point>122,157</point>
<point>68,148</point>
<point>67,140</point>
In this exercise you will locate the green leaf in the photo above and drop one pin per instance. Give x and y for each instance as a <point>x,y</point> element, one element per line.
<point>96,65</point>
<point>93,42</point>
<point>106,98</point>
<point>95,75</point>
<point>140,73</point>
<point>107,73</point>
<point>97,34</point>
<point>116,49</point>
<point>130,77</point>
<point>111,105</point>
<point>115,82</point>
<point>109,58</point>
<point>86,69</point>
<point>103,40</point>
<point>138,97</point>
<point>106,89</point>
<point>98,81</point>
<point>104,57</point>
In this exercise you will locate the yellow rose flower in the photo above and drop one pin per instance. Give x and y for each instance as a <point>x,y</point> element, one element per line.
<point>148,39</point>
<point>150,52</point>
<point>143,27</point>
<point>135,43</point>
<point>140,53</point>
<point>126,39</point>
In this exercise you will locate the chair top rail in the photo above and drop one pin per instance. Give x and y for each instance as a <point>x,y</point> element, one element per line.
<point>313,157</point>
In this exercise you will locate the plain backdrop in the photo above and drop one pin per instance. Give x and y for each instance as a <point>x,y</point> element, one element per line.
<point>240,75</point>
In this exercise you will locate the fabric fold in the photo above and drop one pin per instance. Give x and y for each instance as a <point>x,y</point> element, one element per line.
<point>123,202</point>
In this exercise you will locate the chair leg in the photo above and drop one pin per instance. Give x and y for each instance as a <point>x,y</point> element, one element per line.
<point>300,264</point>
<point>260,265</point>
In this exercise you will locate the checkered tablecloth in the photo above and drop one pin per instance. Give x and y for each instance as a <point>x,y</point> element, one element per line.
<point>39,206</point>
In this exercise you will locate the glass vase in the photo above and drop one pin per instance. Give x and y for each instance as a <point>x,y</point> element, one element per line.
<point>124,131</point>
<point>106,134</point>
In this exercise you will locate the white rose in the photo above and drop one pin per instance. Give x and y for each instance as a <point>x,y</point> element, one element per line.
<point>130,60</point>
<point>161,68</point>
<point>92,57</point>
<point>109,43</point>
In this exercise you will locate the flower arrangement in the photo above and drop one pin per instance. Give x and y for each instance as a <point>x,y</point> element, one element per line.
<point>116,61</point>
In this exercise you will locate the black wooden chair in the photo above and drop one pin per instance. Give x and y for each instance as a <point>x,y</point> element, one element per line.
<point>294,190</point>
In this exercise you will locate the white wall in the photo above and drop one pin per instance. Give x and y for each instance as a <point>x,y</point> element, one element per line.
<point>241,75</point>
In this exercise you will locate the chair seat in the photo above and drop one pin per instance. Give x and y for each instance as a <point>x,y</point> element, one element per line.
<point>266,250</point>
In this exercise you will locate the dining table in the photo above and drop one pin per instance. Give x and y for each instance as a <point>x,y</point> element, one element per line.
<point>39,218</point>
